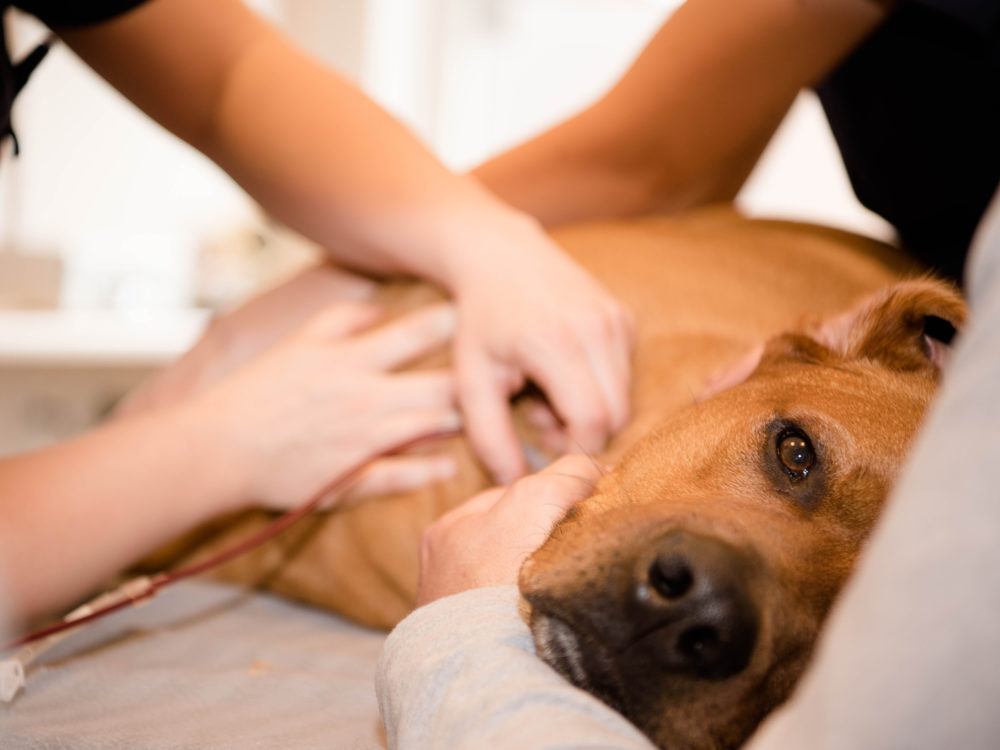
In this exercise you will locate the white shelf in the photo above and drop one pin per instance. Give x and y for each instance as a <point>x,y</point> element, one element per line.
<point>90,338</point>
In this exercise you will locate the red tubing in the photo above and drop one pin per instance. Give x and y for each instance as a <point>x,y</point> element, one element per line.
<point>279,524</point>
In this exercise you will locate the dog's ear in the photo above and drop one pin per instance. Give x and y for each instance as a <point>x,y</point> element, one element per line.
<point>908,326</point>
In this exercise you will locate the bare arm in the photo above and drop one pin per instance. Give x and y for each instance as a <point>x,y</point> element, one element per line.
<point>275,432</point>
<point>688,121</point>
<point>72,516</point>
<point>322,157</point>
<point>304,142</point>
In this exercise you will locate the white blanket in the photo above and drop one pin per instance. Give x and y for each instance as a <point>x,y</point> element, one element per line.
<point>203,666</point>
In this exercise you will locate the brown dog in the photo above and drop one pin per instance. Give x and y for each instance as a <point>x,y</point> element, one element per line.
<point>688,591</point>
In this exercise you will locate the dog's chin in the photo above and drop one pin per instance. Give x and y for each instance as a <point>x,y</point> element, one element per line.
<point>588,665</point>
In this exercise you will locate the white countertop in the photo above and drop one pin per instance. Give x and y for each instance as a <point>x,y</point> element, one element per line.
<point>88,338</point>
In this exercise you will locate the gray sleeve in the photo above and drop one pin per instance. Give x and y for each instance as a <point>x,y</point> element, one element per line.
<point>911,655</point>
<point>461,674</point>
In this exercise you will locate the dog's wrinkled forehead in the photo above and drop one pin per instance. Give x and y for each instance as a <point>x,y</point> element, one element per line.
<point>821,392</point>
<point>815,434</point>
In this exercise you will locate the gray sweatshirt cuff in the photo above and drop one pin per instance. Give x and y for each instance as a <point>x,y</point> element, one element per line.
<point>462,673</point>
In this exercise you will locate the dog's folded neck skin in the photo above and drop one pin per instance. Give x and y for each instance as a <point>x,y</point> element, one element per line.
<point>689,590</point>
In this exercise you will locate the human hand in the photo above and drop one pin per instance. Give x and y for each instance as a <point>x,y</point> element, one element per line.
<point>236,337</point>
<point>324,400</point>
<point>485,541</point>
<point>529,312</point>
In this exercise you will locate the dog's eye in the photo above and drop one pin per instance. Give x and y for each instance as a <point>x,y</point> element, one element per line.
<point>796,454</point>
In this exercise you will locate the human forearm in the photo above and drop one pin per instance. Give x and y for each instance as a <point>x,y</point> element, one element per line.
<point>75,514</point>
<point>327,161</point>
<point>304,142</point>
<point>276,432</point>
<point>688,121</point>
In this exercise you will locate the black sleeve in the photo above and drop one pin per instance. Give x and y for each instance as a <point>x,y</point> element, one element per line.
<point>54,13</point>
<point>981,14</point>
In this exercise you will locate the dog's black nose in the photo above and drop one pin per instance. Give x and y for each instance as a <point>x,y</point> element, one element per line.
<point>691,606</point>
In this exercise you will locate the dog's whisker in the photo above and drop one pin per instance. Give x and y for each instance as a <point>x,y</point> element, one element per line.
<point>590,483</point>
<point>695,400</point>
<point>589,455</point>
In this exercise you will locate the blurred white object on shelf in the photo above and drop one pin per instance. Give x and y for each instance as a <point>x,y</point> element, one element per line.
<point>83,338</point>
<point>123,270</point>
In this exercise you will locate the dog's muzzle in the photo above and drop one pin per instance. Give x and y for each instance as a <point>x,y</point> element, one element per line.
<point>681,609</point>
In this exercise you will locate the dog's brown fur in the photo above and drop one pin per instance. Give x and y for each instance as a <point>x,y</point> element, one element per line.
<point>704,289</point>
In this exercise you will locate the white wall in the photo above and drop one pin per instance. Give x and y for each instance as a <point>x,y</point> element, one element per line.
<point>91,163</point>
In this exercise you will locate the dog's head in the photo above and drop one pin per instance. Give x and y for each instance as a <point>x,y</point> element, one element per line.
<point>688,591</point>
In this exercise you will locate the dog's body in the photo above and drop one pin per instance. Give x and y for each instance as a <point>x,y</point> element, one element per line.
<point>698,489</point>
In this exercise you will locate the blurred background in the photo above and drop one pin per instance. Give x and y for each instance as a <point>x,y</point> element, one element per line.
<point>117,241</point>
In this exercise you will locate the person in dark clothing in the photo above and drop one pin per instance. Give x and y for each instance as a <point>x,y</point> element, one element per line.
<point>916,112</point>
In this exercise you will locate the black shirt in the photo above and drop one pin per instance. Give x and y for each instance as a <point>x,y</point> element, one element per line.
<point>916,113</point>
<point>54,14</point>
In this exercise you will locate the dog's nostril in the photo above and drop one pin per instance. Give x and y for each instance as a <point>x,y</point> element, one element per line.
<point>700,645</point>
<point>670,576</point>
